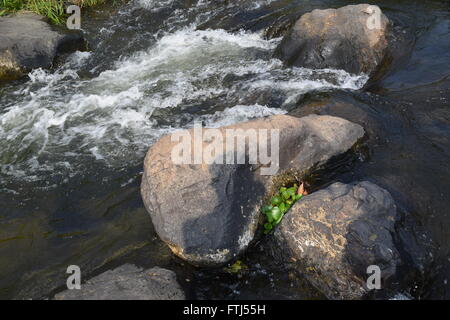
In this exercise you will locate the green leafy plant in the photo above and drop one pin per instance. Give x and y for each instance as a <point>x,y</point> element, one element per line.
<point>280,203</point>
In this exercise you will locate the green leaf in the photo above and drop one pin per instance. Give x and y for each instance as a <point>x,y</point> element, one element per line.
<point>276,200</point>
<point>291,191</point>
<point>298,197</point>
<point>266,209</point>
<point>278,220</point>
<point>276,213</point>
<point>285,195</point>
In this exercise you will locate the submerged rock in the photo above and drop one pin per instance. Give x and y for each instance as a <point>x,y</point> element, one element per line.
<point>332,236</point>
<point>208,213</point>
<point>352,38</point>
<point>128,282</point>
<point>27,42</point>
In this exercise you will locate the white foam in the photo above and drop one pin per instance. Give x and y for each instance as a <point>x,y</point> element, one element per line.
<point>401,296</point>
<point>77,59</point>
<point>239,113</point>
<point>109,117</point>
<point>261,3</point>
<point>153,4</point>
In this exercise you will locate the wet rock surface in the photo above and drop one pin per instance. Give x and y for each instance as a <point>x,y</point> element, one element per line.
<point>352,38</point>
<point>28,42</point>
<point>392,162</point>
<point>128,282</point>
<point>208,214</point>
<point>333,235</point>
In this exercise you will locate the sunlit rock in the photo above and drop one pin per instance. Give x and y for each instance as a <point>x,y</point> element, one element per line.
<point>352,38</point>
<point>334,235</point>
<point>208,213</point>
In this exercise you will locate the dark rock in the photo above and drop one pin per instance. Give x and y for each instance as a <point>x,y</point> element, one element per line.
<point>333,235</point>
<point>336,38</point>
<point>128,282</point>
<point>208,214</point>
<point>27,42</point>
<point>279,27</point>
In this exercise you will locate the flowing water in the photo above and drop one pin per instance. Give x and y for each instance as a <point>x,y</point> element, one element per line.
<point>72,140</point>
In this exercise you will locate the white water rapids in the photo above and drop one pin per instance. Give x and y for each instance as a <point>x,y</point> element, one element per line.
<point>58,119</point>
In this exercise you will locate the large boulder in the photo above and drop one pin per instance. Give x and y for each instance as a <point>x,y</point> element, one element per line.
<point>27,42</point>
<point>208,213</point>
<point>351,38</point>
<point>128,282</point>
<point>332,236</point>
<point>389,139</point>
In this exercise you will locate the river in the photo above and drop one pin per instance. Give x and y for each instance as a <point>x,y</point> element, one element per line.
<point>72,140</point>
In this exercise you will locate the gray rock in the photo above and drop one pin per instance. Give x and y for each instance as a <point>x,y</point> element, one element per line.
<point>333,235</point>
<point>27,42</point>
<point>336,38</point>
<point>128,282</point>
<point>208,214</point>
<point>414,242</point>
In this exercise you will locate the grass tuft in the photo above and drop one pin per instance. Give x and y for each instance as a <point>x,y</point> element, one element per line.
<point>52,9</point>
